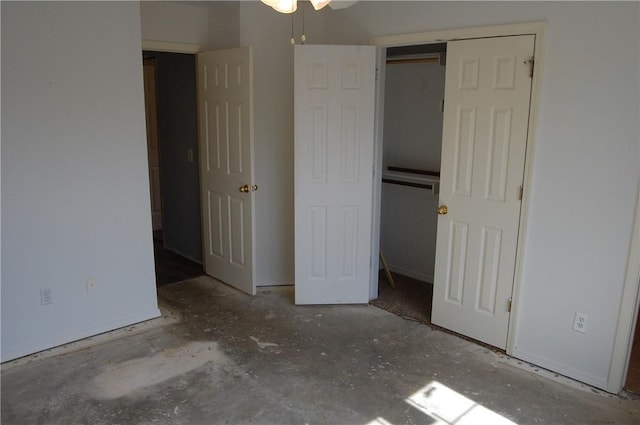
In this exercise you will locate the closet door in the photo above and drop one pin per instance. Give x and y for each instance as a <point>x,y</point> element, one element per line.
<point>487,94</point>
<point>334,122</point>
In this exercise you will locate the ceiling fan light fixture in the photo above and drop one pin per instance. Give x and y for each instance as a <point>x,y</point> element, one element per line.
<point>282,6</point>
<point>319,4</point>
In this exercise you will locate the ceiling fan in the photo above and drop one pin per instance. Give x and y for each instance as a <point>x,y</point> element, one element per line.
<point>290,6</point>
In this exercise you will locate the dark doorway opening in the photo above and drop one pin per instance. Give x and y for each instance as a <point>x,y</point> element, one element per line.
<point>177,236</point>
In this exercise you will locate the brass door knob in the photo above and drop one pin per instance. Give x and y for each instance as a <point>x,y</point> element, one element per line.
<point>244,189</point>
<point>442,209</point>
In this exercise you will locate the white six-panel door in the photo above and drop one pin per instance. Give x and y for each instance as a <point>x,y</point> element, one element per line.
<point>487,94</point>
<point>334,122</point>
<point>225,102</point>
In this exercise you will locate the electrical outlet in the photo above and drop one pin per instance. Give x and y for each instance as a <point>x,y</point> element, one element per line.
<point>45,296</point>
<point>580,322</point>
<point>92,285</point>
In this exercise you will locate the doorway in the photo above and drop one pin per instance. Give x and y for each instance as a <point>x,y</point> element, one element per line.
<point>412,144</point>
<point>170,95</point>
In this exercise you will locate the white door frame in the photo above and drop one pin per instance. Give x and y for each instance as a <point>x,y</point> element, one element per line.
<point>538,29</point>
<point>374,263</point>
<point>627,319</point>
<point>171,46</point>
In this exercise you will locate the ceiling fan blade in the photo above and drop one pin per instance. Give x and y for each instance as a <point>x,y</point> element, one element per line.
<point>319,4</point>
<point>342,4</point>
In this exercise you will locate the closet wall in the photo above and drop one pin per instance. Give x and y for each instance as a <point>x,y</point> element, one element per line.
<point>412,139</point>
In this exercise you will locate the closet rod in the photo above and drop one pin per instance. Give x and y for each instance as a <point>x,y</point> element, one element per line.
<point>414,60</point>
<point>401,183</point>
<point>414,171</point>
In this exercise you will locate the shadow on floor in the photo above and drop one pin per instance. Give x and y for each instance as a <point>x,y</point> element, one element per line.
<point>410,299</point>
<point>171,267</point>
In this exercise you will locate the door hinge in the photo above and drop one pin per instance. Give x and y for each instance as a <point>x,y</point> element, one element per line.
<point>531,63</point>
<point>521,192</point>
<point>376,74</point>
<point>509,306</point>
<point>442,105</point>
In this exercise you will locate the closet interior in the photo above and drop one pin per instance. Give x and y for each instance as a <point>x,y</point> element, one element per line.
<point>412,142</point>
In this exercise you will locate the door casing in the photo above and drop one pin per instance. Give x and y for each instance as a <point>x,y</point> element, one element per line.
<point>538,29</point>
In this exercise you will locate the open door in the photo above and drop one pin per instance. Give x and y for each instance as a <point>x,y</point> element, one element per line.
<point>225,112</point>
<point>487,96</point>
<point>334,134</point>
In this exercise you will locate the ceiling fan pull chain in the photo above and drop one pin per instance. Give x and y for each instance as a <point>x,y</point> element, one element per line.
<point>303,39</point>
<point>293,40</point>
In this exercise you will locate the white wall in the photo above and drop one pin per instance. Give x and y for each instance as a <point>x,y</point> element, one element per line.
<point>585,167</point>
<point>174,22</point>
<point>269,33</point>
<point>412,139</point>
<point>224,24</point>
<point>576,251</point>
<point>413,115</point>
<point>408,224</point>
<point>213,25</point>
<point>75,190</point>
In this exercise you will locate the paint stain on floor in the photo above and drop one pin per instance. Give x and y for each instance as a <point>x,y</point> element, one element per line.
<point>261,344</point>
<point>124,378</point>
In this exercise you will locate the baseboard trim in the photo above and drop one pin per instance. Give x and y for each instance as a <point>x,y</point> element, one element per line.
<point>188,257</point>
<point>26,350</point>
<point>578,375</point>
<point>410,273</point>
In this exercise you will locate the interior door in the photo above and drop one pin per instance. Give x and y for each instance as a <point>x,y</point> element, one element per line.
<point>153,150</point>
<point>487,94</point>
<point>225,110</point>
<point>334,124</point>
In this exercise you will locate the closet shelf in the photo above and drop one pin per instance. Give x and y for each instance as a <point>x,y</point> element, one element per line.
<point>414,178</point>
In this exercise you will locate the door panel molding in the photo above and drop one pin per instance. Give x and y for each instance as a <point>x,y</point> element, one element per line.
<point>225,109</point>
<point>474,91</point>
<point>334,130</point>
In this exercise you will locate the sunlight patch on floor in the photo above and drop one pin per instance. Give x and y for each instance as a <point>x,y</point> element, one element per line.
<point>379,421</point>
<point>445,406</point>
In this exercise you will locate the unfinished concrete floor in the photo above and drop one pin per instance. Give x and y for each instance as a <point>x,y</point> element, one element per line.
<point>236,359</point>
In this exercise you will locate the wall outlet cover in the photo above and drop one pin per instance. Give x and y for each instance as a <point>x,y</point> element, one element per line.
<point>580,322</point>
<point>92,285</point>
<point>45,296</point>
